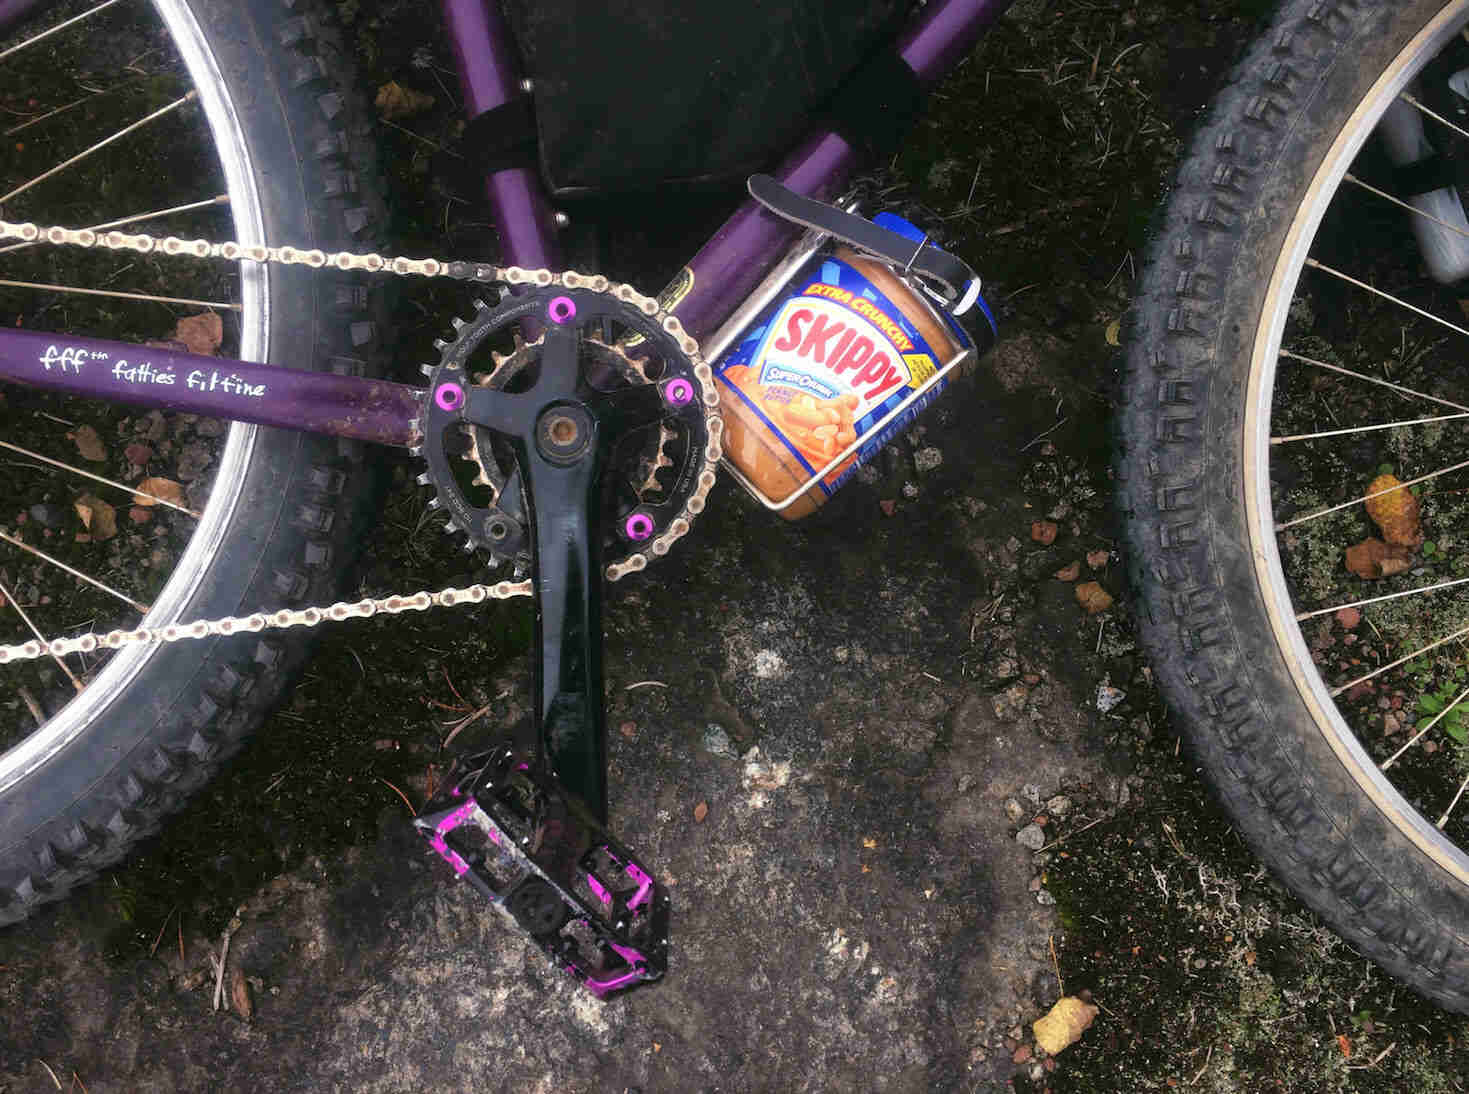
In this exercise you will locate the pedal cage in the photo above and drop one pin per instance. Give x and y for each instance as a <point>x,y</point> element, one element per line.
<point>514,833</point>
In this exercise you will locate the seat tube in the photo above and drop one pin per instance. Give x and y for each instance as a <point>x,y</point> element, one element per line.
<point>490,76</point>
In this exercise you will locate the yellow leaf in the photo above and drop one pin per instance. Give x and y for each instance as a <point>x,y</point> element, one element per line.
<point>1064,1024</point>
<point>1091,596</point>
<point>1395,512</point>
<point>1114,333</point>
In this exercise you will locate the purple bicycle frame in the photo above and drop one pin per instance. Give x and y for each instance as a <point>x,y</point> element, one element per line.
<point>716,280</point>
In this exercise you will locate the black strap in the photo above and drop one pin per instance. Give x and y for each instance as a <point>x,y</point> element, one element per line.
<point>876,106</point>
<point>1424,177</point>
<point>501,138</point>
<point>953,274</point>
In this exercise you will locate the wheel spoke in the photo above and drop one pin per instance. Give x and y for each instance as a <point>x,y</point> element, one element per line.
<point>1356,429</point>
<point>41,638</point>
<point>1443,820</point>
<point>123,132</point>
<point>98,478</point>
<point>1415,104</point>
<point>156,214</point>
<point>1372,380</point>
<point>1396,201</point>
<point>43,287</point>
<point>1400,661</point>
<point>1302,616</point>
<point>106,588</point>
<point>1369,497</point>
<point>1387,763</point>
<point>58,28</point>
<point>1386,296</point>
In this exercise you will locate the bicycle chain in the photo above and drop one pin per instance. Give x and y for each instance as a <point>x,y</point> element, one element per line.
<point>481,272</point>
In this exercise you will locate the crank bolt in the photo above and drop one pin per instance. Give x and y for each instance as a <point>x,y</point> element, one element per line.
<point>449,396</point>
<point>678,392</point>
<point>638,526</point>
<point>561,309</point>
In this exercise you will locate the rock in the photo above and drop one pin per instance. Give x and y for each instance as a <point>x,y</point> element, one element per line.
<point>1349,617</point>
<point>1010,703</point>
<point>926,459</point>
<point>717,741</point>
<point>1108,697</point>
<point>1045,898</point>
<point>700,812</point>
<point>1058,806</point>
<point>1031,837</point>
<point>49,515</point>
<point>1014,810</point>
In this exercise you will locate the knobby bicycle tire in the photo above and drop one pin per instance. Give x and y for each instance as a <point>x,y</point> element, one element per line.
<point>303,501</point>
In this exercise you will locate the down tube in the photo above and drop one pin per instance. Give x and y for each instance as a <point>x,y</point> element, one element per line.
<point>732,263</point>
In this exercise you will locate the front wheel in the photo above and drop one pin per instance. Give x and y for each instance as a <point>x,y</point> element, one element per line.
<point>1294,468</point>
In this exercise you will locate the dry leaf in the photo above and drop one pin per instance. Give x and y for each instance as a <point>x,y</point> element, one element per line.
<point>240,994</point>
<point>1114,333</point>
<point>88,443</point>
<point>1097,559</point>
<point>200,333</point>
<point>1395,512</point>
<point>166,489</point>
<point>1043,532</point>
<point>1372,558</point>
<point>1064,1024</point>
<point>1344,1043</point>
<point>99,518</point>
<point>1069,573</point>
<point>1093,597</point>
<point>700,812</point>
<point>395,101</point>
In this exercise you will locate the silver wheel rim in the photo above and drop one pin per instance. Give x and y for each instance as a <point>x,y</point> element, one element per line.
<point>1258,507</point>
<point>123,668</point>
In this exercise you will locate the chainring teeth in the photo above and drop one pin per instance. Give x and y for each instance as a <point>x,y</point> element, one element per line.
<point>489,317</point>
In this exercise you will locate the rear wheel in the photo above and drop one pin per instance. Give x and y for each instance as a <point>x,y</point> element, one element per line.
<point>250,129</point>
<point>1286,346</point>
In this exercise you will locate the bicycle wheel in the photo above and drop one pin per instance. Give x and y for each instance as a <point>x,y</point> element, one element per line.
<point>215,118</point>
<point>1297,324</point>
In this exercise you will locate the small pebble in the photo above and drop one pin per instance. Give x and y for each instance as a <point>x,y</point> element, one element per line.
<point>717,741</point>
<point>910,490</point>
<point>48,514</point>
<point>1060,805</point>
<point>1031,836</point>
<point>1044,897</point>
<point>926,459</point>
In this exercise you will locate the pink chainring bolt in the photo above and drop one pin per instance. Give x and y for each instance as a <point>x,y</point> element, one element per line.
<point>449,396</point>
<point>561,309</point>
<point>638,526</point>
<point>678,392</point>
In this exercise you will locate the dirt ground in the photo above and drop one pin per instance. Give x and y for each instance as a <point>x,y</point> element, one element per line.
<point>905,790</point>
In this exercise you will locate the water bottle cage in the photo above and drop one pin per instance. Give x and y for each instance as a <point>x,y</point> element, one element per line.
<point>948,280</point>
<point>514,833</point>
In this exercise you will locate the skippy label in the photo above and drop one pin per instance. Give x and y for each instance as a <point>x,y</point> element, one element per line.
<point>827,365</point>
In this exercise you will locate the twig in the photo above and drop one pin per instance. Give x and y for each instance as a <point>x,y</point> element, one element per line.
<point>34,707</point>
<point>1055,964</point>
<point>646,684</point>
<point>1068,835</point>
<point>1048,432</point>
<point>400,793</point>
<point>466,720</point>
<point>224,953</point>
<point>78,1080</point>
<point>47,1066</point>
<point>154,948</point>
<point>1203,1069</point>
<point>181,940</point>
